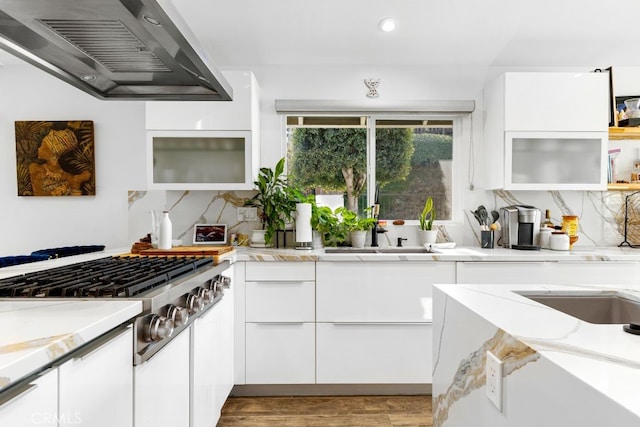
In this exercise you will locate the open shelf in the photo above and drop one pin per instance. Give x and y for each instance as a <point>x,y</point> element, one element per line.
<point>617,133</point>
<point>623,187</point>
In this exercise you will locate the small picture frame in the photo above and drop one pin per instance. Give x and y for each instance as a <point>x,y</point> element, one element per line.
<point>210,234</point>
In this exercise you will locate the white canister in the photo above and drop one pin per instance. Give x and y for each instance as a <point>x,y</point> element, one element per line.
<point>166,231</point>
<point>545,234</point>
<point>559,241</point>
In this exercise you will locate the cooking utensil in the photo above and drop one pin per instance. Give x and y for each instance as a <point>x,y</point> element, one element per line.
<point>477,216</point>
<point>484,215</point>
<point>495,215</point>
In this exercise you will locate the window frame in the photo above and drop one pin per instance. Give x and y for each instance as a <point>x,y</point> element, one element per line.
<point>461,136</point>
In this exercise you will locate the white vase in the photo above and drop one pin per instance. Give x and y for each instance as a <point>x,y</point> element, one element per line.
<point>358,239</point>
<point>257,239</point>
<point>166,233</point>
<point>428,236</point>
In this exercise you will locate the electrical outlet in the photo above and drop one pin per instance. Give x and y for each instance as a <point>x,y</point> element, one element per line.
<point>493,373</point>
<point>247,214</point>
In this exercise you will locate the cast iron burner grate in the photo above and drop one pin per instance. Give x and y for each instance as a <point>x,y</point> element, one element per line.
<point>115,277</point>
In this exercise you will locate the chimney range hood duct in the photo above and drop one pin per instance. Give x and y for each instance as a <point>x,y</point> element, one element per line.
<point>113,49</point>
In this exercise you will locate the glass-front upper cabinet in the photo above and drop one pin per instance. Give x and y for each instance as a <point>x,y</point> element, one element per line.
<point>200,160</point>
<point>555,160</point>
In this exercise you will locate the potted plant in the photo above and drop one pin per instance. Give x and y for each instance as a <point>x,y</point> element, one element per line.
<point>356,226</point>
<point>425,226</point>
<point>274,202</point>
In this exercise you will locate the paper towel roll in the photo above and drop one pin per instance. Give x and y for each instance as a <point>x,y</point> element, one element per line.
<point>303,222</point>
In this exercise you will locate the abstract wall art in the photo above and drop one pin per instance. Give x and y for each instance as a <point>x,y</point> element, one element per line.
<point>55,158</point>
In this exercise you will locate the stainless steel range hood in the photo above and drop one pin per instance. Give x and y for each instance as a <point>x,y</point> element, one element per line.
<point>113,49</point>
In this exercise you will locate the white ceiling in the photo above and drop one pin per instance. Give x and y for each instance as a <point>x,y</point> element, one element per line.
<point>511,33</point>
<point>501,33</point>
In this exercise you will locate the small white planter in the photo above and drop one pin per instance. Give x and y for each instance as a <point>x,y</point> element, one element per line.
<point>428,236</point>
<point>257,239</point>
<point>358,239</point>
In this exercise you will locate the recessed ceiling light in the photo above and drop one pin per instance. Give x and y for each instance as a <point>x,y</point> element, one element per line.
<point>388,24</point>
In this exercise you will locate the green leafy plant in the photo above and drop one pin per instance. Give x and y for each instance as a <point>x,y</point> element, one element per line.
<point>275,200</point>
<point>427,216</point>
<point>352,222</point>
<point>328,224</point>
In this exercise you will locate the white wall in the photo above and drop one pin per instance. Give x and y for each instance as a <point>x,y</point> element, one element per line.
<point>31,223</point>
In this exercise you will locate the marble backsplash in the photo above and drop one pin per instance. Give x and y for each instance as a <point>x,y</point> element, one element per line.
<point>601,215</point>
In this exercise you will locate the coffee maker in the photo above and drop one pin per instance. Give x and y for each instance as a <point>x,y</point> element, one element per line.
<point>520,227</point>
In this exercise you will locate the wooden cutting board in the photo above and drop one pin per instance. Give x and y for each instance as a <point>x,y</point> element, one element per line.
<point>189,250</point>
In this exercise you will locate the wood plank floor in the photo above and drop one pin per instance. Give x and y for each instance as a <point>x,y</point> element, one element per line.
<point>327,411</point>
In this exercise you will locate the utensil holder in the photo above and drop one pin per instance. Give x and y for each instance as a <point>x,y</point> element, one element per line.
<point>486,239</point>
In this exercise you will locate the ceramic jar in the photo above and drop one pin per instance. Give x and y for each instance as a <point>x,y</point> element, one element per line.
<point>559,241</point>
<point>544,236</point>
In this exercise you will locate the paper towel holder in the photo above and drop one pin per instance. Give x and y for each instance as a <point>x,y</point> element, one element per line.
<point>304,233</point>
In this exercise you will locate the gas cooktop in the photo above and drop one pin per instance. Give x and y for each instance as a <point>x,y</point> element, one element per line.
<point>114,277</point>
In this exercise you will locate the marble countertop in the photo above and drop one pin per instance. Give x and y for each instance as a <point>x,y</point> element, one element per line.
<point>602,356</point>
<point>455,254</point>
<point>35,333</point>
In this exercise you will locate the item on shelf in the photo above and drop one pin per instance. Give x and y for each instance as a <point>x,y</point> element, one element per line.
<point>164,239</point>
<point>570,224</point>
<point>559,241</point>
<point>547,219</point>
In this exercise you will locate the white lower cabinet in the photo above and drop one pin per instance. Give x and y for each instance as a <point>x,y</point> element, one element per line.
<point>280,323</point>
<point>530,273</point>
<point>33,403</point>
<point>374,321</point>
<point>204,411</point>
<point>374,353</point>
<point>162,386</point>
<point>593,273</point>
<point>96,385</point>
<point>280,353</point>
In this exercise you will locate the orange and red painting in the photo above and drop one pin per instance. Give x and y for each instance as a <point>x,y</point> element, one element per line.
<point>55,158</point>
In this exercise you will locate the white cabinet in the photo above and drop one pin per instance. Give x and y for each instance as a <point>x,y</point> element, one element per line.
<point>162,386</point>
<point>374,321</point>
<point>593,273</point>
<point>96,385</point>
<point>280,353</point>
<point>205,145</point>
<point>205,354</point>
<point>546,131</point>
<point>280,322</point>
<point>240,114</point>
<point>374,353</point>
<point>502,273</point>
<point>34,402</point>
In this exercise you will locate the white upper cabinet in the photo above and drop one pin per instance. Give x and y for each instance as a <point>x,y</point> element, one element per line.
<point>205,145</point>
<point>546,131</point>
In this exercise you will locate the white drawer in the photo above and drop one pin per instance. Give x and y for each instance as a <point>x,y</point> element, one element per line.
<point>536,273</point>
<point>281,270</point>
<point>378,292</point>
<point>280,301</point>
<point>280,353</point>
<point>363,353</point>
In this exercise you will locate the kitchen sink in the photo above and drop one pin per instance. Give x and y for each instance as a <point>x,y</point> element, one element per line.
<point>390,250</point>
<point>612,308</point>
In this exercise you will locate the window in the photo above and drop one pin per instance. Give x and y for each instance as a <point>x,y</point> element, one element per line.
<point>350,160</point>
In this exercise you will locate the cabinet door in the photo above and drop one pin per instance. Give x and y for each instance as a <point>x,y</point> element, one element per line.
<point>198,115</point>
<point>559,101</point>
<point>205,355</point>
<point>162,386</point>
<point>373,353</point>
<point>199,160</point>
<point>502,273</point>
<point>101,373</point>
<point>556,160</point>
<point>593,273</point>
<point>280,301</point>
<point>280,270</point>
<point>226,341</point>
<point>378,292</point>
<point>280,353</point>
<point>34,403</point>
